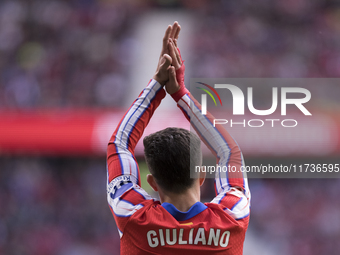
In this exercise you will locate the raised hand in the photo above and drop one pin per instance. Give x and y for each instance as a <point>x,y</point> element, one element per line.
<point>172,32</point>
<point>170,55</point>
<point>176,71</point>
<point>162,72</point>
<point>172,86</point>
<point>174,54</point>
<point>176,28</point>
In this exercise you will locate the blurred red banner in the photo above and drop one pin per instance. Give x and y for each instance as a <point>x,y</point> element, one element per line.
<point>87,132</point>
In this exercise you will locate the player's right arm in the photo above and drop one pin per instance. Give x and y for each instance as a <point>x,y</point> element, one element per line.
<point>124,193</point>
<point>231,187</point>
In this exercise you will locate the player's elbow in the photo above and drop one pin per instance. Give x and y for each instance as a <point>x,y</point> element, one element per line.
<point>116,147</point>
<point>227,150</point>
<point>113,147</point>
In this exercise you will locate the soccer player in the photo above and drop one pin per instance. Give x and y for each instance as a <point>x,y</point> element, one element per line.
<point>179,223</point>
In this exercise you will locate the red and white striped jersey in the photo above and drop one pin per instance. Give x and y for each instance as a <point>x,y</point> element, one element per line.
<point>148,227</point>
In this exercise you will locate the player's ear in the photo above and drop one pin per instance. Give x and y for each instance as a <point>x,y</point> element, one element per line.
<point>151,180</point>
<point>202,177</point>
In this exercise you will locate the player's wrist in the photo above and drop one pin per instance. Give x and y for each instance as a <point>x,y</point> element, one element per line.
<point>162,75</point>
<point>180,75</point>
<point>172,89</point>
<point>161,80</point>
<point>179,93</point>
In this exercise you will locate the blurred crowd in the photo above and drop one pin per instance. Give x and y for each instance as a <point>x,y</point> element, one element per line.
<point>78,53</point>
<point>268,39</point>
<point>297,217</point>
<point>64,53</point>
<point>55,207</point>
<point>271,39</point>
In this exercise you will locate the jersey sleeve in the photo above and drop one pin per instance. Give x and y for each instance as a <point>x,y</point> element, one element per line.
<point>231,185</point>
<point>124,194</point>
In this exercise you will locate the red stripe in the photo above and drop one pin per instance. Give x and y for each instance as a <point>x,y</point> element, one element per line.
<point>120,221</point>
<point>133,197</point>
<point>229,200</point>
<point>114,167</point>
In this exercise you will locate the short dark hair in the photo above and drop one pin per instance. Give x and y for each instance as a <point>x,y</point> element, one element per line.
<point>169,154</point>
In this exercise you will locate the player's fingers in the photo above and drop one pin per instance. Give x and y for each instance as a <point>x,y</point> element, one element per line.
<point>175,42</point>
<point>172,75</point>
<point>166,40</point>
<point>166,61</point>
<point>175,27</point>
<point>172,52</point>
<point>167,34</point>
<point>177,55</point>
<point>179,60</point>
<point>177,32</point>
<point>172,85</point>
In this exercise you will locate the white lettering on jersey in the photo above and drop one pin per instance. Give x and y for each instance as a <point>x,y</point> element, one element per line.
<point>225,243</point>
<point>154,241</point>
<point>167,236</point>
<point>180,237</point>
<point>161,236</point>
<point>190,235</point>
<point>200,236</point>
<point>215,238</point>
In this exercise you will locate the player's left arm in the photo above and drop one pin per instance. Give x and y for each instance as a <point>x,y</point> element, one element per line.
<point>231,187</point>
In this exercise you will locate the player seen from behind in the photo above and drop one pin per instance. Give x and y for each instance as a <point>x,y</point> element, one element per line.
<point>179,223</point>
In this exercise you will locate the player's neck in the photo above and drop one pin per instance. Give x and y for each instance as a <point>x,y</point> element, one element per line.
<point>183,201</point>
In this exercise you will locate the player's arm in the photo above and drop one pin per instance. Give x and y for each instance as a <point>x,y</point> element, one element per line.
<point>124,194</point>
<point>231,187</point>
<point>121,162</point>
<point>120,155</point>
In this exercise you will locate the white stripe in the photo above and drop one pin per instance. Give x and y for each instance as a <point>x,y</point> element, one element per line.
<point>217,182</point>
<point>230,191</point>
<point>141,191</point>
<point>238,214</point>
<point>217,199</point>
<point>127,160</point>
<point>241,209</point>
<point>245,179</point>
<point>120,233</point>
<point>124,208</point>
<point>135,112</point>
